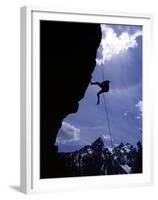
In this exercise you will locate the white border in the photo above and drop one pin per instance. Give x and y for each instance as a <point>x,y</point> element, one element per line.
<point>30,181</point>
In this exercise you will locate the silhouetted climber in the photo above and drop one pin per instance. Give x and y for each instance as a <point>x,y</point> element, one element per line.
<point>104,88</point>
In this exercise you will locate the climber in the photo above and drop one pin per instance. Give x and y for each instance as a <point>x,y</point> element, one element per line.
<point>104,88</point>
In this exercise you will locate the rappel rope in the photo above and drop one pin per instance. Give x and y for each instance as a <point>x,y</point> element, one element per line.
<point>106,112</point>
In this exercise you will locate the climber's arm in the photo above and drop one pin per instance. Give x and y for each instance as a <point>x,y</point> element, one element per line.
<point>96,83</point>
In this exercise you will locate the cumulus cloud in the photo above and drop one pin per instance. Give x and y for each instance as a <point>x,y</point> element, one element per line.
<point>112,44</point>
<point>68,133</point>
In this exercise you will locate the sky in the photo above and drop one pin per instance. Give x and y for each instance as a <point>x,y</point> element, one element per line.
<point>118,59</point>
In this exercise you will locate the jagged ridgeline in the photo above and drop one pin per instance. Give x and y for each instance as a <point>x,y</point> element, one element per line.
<point>95,159</point>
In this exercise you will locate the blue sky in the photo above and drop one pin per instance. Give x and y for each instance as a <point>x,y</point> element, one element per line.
<point>120,55</point>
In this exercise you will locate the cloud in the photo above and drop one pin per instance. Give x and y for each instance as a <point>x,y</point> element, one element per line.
<point>106,137</point>
<point>137,109</point>
<point>129,111</point>
<point>125,114</point>
<point>139,106</point>
<point>138,117</point>
<point>112,44</point>
<point>68,133</point>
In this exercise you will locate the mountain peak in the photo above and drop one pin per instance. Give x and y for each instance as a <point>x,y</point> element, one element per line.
<point>98,144</point>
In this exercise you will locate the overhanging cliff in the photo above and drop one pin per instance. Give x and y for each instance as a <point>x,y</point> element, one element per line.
<point>67,60</point>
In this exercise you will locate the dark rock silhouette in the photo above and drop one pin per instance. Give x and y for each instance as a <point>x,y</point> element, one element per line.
<point>67,60</point>
<point>138,162</point>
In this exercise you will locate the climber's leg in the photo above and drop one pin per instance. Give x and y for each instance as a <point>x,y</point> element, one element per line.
<point>101,91</point>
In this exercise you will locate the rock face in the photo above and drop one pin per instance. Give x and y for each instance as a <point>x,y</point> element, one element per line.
<point>95,159</point>
<point>67,60</point>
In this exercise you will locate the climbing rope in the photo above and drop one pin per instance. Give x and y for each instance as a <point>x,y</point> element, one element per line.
<point>106,112</point>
